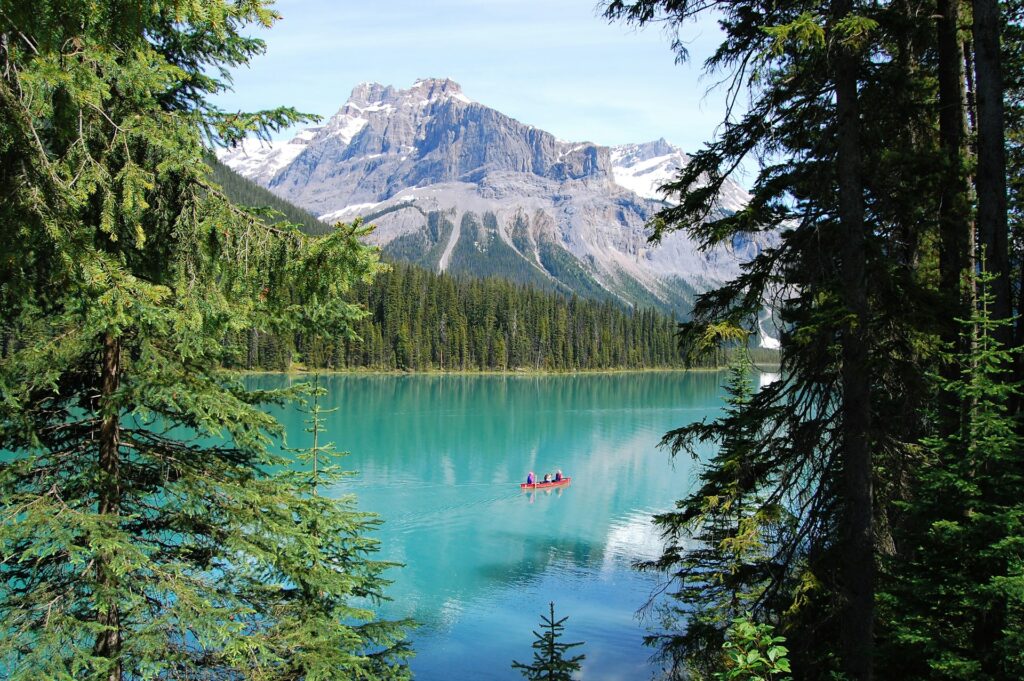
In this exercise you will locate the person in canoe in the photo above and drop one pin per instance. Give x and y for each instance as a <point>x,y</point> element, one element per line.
<point>530,478</point>
<point>547,477</point>
<point>558,475</point>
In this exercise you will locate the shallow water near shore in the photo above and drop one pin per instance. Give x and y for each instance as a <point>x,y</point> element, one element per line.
<point>440,459</point>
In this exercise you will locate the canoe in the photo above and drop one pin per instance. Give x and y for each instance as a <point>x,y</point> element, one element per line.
<point>544,485</point>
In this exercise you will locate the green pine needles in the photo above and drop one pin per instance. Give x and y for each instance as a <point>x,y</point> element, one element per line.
<point>324,606</point>
<point>966,525</point>
<point>722,541</point>
<point>549,653</point>
<point>147,530</point>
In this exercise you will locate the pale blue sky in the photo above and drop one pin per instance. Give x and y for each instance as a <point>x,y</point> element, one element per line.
<point>555,64</point>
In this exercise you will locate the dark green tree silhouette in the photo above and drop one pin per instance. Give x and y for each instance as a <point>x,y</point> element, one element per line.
<point>549,660</point>
<point>963,585</point>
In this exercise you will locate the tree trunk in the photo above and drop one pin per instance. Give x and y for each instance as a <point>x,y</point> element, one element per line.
<point>108,642</point>
<point>991,176</point>
<point>955,225</point>
<point>993,231</point>
<point>857,540</point>
<point>252,359</point>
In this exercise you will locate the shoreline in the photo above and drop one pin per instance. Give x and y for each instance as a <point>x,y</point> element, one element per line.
<point>303,371</point>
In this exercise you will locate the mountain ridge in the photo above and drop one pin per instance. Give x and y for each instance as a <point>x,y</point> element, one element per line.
<point>455,185</point>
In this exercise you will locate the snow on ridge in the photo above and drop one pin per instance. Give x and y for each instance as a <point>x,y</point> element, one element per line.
<point>349,210</point>
<point>767,341</point>
<point>644,181</point>
<point>643,168</point>
<point>259,159</point>
<point>348,129</point>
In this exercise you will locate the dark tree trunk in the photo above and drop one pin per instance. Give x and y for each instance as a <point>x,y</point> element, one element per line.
<point>991,175</point>
<point>108,643</point>
<point>955,225</point>
<point>858,561</point>
<point>253,356</point>
<point>993,231</point>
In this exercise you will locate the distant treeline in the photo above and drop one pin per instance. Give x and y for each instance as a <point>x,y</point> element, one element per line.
<point>421,321</point>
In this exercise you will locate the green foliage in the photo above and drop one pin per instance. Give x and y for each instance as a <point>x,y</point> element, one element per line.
<point>147,531</point>
<point>966,524</point>
<point>323,605</point>
<point>722,541</point>
<point>549,653</point>
<point>247,193</point>
<point>752,653</point>
<point>424,321</point>
<point>878,329</point>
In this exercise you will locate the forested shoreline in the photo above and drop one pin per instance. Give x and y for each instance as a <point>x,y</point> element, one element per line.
<point>421,321</point>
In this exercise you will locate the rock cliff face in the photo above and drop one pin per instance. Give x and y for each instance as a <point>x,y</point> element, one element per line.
<point>454,185</point>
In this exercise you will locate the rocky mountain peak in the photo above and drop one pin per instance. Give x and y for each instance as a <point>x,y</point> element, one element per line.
<point>435,88</point>
<point>368,94</point>
<point>630,154</point>
<point>454,184</point>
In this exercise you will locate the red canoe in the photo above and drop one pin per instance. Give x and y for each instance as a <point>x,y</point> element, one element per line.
<point>544,485</point>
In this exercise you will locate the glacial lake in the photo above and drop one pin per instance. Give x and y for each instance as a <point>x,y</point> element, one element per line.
<point>440,459</point>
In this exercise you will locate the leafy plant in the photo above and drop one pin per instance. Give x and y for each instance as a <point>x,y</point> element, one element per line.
<point>752,653</point>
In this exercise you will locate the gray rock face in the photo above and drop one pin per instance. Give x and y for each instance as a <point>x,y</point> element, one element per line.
<point>385,140</point>
<point>424,162</point>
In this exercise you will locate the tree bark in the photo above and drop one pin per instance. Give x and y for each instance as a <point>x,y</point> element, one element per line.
<point>991,175</point>
<point>857,571</point>
<point>109,642</point>
<point>955,225</point>
<point>252,357</point>
<point>993,230</point>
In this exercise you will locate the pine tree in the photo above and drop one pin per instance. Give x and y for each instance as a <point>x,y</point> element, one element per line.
<point>325,628</point>
<point>549,660</point>
<point>720,540</point>
<point>147,529</point>
<point>834,88</point>
<point>956,607</point>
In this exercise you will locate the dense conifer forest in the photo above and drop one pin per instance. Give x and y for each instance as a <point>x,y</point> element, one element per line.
<point>420,321</point>
<point>863,505</point>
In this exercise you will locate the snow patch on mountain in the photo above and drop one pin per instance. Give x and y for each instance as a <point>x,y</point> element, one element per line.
<point>259,160</point>
<point>645,168</point>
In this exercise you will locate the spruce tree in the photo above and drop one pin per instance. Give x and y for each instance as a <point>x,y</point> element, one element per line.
<point>326,628</point>
<point>549,653</point>
<point>955,609</point>
<point>834,89</point>
<point>720,540</point>
<point>146,528</point>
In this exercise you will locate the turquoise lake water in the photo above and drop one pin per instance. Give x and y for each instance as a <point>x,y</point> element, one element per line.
<point>440,458</point>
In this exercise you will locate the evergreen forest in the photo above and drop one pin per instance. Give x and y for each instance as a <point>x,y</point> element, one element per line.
<point>422,321</point>
<point>866,507</point>
<point>859,518</point>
